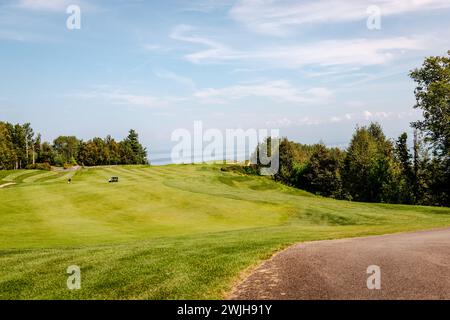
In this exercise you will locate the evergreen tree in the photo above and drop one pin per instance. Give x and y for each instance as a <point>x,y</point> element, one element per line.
<point>132,151</point>
<point>408,179</point>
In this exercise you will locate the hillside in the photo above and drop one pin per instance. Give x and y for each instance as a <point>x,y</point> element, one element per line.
<point>169,232</point>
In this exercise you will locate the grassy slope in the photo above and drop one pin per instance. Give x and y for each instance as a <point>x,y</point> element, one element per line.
<point>166,232</point>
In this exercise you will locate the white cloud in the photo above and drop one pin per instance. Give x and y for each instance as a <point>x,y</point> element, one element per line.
<point>276,90</point>
<point>372,116</point>
<point>280,90</point>
<point>55,6</point>
<point>45,5</point>
<point>355,117</point>
<point>119,97</point>
<point>132,99</point>
<point>355,52</point>
<point>282,17</point>
<point>350,53</point>
<point>287,122</point>
<point>367,115</point>
<point>215,50</point>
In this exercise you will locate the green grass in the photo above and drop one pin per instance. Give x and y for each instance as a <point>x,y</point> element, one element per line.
<point>171,232</point>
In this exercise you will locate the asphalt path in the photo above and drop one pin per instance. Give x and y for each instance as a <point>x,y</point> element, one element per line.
<point>412,265</point>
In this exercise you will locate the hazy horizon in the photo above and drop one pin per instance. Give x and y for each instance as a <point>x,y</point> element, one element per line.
<point>312,72</point>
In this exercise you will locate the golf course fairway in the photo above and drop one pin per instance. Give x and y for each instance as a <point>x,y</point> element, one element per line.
<point>166,232</point>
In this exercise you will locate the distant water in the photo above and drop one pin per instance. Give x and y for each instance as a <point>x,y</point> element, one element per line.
<point>159,158</point>
<point>163,157</point>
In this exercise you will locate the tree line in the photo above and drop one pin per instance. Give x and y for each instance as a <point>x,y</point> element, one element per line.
<point>21,148</point>
<point>374,168</point>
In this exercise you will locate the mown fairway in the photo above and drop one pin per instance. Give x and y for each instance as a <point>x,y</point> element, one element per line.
<point>167,232</point>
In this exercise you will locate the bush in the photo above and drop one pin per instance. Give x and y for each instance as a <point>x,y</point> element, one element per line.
<point>67,165</point>
<point>40,166</point>
<point>249,169</point>
<point>58,161</point>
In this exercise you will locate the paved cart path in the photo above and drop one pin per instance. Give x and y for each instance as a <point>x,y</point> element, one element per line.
<point>413,266</point>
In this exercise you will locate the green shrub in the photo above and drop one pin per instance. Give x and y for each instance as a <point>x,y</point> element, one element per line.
<point>243,169</point>
<point>40,166</point>
<point>67,165</point>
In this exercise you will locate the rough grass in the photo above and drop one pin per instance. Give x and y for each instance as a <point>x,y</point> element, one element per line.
<point>172,232</point>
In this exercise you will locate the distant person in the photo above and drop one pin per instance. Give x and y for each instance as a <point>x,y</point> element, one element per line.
<point>69,181</point>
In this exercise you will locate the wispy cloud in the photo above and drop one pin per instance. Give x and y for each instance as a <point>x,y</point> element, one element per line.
<point>353,52</point>
<point>279,91</point>
<point>215,50</point>
<point>284,16</point>
<point>124,98</point>
<point>55,6</point>
<point>348,52</point>
<point>354,117</point>
<point>275,90</point>
<point>156,48</point>
<point>45,5</point>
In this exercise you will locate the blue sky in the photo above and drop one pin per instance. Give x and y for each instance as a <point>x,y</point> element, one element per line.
<point>310,68</point>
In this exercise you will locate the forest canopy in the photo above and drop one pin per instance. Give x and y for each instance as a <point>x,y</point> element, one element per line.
<point>374,168</point>
<point>21,148</point>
